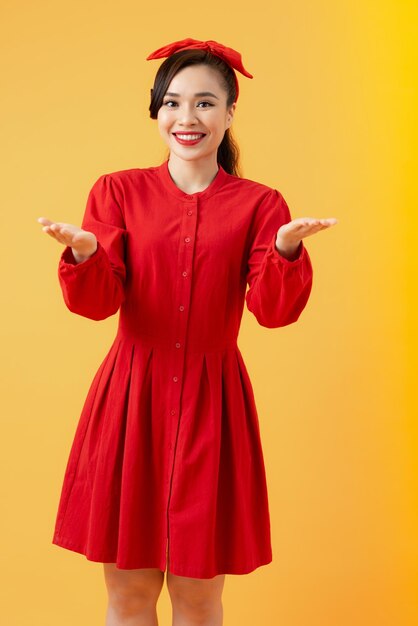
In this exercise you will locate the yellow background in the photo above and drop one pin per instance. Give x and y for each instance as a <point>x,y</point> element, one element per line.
<point>329,120</point>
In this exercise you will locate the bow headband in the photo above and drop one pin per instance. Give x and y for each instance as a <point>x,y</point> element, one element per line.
<point>229,55</point>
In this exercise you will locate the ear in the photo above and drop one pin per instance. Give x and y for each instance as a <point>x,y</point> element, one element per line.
<point>231,112</point>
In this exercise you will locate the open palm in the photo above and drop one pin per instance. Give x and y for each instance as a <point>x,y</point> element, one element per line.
<point>297,229</point>
<point>290,235</point>
<point>83,242</point>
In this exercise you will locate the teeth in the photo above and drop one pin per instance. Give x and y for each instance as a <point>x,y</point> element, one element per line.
<point>189,137</point>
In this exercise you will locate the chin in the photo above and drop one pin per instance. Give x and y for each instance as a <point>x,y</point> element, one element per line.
<point>188,155</point>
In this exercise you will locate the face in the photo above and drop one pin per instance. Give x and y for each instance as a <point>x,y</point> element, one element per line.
<point>183,111</point>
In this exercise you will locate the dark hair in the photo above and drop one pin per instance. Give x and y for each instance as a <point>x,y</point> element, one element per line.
<point>228,151</point>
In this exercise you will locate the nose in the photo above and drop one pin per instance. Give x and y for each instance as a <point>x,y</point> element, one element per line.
<point>187,114</point>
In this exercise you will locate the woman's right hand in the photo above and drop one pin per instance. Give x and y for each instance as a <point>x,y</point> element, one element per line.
<point>82,242</point>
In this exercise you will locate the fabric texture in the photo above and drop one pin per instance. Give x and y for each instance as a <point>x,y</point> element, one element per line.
<point>166,467</point>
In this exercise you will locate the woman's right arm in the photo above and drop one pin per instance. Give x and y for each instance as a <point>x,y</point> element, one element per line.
<point>93,284</point>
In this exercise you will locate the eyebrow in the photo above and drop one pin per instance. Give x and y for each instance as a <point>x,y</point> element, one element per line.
<point>201,93</point>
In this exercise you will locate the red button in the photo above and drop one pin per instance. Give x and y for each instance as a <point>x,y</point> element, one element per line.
<point>184,273</point>
<point>181,307</point>
<point>187,239</point>
<point>175,379</point>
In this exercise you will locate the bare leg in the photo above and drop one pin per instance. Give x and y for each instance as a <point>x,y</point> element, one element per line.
<point>196,601</point>
<point>133,595</point>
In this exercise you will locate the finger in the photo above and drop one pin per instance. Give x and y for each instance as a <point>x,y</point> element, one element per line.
<point>322,223</point>
<point>310,230</point>
<point>313,229</point>
<point>315,220</point>
<point>67,237</point>
<point>318,227</point>
<point>60,228</point>
<point>55,230</point>
<point>52,234</point>
<point>58,237</point>
<point>300,222</point>
<point>329,221</point>
<point>311,226</point>
<point>306,224</point>
<point>60,224</point>
<point>55,225</point>
<point>44,220</point>
<point>309,222</point>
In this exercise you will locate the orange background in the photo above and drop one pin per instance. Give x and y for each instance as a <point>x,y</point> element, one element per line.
<point>329,120</point>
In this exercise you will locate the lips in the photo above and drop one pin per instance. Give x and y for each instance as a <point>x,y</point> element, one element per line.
<point>181,133</point>
<point>197,138</point>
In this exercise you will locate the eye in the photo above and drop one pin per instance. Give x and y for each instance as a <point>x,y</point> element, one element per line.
<point>169,102</point>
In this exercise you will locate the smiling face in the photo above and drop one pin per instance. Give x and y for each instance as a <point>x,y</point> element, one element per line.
<point>195,104</point>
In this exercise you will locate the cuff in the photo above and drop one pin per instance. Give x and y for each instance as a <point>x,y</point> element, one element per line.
<point>276,257</point>
<point>68,262</point>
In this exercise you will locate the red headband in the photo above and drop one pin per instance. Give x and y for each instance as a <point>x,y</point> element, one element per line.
<point>230,56</point>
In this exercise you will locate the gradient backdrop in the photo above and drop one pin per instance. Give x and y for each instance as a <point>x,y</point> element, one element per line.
<point>329,120</point>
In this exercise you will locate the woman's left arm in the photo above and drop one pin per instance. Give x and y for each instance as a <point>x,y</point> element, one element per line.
<point>279,271</point>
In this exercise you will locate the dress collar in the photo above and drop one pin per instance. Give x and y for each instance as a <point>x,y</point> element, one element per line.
<point>170,185</point>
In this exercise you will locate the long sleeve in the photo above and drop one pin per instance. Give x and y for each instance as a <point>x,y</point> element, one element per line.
<point>278,288</point>
<point>95,287</point>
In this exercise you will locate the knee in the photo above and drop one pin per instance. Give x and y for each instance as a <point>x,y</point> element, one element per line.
<point>198,600</point>
<point>131,592</point>
<point>195,606</point>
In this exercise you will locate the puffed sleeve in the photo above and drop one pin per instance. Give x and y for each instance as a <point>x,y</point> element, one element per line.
<point>278,288</point>
<point>95,287</point>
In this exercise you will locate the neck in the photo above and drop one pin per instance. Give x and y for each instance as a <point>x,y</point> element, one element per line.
<point>192,176</point>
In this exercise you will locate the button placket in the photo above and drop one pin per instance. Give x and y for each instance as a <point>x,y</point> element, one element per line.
<point>183,289</point>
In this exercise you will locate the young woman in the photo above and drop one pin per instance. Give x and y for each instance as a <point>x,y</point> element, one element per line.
<point>166,469</point>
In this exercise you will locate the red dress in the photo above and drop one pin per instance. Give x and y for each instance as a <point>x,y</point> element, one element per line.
<point>166,466</point>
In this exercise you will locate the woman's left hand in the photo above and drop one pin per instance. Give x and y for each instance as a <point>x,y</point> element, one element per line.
<point>290,235</point>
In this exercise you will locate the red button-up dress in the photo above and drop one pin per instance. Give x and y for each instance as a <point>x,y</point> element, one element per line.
<point>166,467</point>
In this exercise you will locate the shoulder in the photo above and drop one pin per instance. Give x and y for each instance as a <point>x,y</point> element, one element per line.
<point>121,185</point>
<point>125,177</point>
<point>260,195</point>
<point>252,188</point>
<point>267,203</point>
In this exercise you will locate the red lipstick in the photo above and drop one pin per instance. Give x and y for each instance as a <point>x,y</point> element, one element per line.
<point>189,142</point>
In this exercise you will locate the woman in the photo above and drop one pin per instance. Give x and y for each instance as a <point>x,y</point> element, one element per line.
<point>166,468</point>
